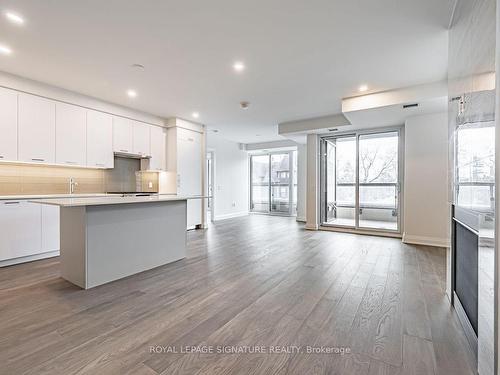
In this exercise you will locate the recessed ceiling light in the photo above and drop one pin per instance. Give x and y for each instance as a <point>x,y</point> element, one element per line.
<point>137,66</point>
<point>195,114</point>
<point>239,66</point>
<point>363,88</point>
<point>131,93</point>
<point>244,105</point>
<point>14,18</point>
<point>5,50</point>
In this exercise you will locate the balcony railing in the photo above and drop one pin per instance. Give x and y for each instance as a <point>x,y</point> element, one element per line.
<point>369,203</point>
<point>482,195</point>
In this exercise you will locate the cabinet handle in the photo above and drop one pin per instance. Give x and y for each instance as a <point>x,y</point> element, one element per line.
<point>1,156</point>
<point>12,202</point>
<point>70,162</point>
<point>37,159</point>
<point>100,165</point>
<point>124,150</point>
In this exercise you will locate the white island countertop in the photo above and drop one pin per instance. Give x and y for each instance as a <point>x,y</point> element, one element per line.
<point>107,200</point>
<point>50,196</point>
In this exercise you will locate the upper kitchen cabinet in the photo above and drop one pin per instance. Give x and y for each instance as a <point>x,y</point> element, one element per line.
<point>158,148</point>
<point>8,124</point>
<point>123,135</point>
<point>71,133</point>
<point>36,129</point>
<point>141,139</point>
<point>99,140</point>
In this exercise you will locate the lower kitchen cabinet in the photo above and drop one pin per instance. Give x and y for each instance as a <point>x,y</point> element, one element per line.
<point>29,231</point>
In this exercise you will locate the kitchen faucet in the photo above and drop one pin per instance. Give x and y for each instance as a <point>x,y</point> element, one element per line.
<point>72,185</point>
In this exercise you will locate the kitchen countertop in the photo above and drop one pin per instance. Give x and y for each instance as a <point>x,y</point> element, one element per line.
<point>108,200</point>
<point>49,196</point>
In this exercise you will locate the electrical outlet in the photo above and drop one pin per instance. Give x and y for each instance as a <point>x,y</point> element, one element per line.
<point>150,184</point>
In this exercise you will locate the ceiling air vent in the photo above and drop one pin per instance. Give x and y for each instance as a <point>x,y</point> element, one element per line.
<point>413,105</point>
<point>333,130</point>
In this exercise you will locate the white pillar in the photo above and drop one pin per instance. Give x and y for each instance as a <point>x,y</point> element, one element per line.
<point>312,203</point>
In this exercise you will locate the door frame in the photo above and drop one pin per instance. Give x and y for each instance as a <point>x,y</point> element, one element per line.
<point>290,183</point>
<point>212,179</point>
<point>322,182</point>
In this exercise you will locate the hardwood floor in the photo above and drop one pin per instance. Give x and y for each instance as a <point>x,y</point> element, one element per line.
<point>252,282</point>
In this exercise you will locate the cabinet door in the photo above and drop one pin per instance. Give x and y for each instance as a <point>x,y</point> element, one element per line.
<point>189,172</point>
<point>50,228</point>
<point>8,125</point>
<point>189,162</point>
<point>142,139</point>
<point>37,129</point>
<point>99,140</point>
<point>158,151</point>
<point>71,133</point>
<point>21,229</point>
<point>122,135</point>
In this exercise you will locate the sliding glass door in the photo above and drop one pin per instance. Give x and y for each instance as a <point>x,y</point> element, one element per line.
<point>280,183</point>
<point>360,181</point>
<point>340,176</point>
<point>259,190</point>
<point>273,184</point>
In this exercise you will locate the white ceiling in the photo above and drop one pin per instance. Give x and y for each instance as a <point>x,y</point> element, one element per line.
<point>302,57</point>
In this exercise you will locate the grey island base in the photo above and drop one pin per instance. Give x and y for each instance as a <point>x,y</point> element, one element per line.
<point>108,238</point>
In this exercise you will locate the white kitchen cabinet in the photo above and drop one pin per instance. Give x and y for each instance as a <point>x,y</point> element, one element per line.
<point>8,124</point>
<point>99,140</point>
<point>36,129</point>
<point>21,229</point>
<point>71,133</point>
<point>123,135</point>
<point>141,138</point>
<point>158,147</point>
<point>50,228</point>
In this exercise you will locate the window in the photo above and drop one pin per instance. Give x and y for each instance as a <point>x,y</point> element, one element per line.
<point>475,166</point>
<point>274,183</point>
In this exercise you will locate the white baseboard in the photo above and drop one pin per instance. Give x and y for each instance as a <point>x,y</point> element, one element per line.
<point>427,241</point>
<point>30,258</point>
<point>230,216</point>
<point>301,219</point>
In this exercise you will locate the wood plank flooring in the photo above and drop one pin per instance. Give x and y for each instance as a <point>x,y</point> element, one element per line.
<point>252,282</point>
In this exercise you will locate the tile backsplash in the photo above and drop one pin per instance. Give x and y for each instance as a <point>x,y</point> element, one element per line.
<point>20,179</point>
<point>123,176</point>
<point>25,179</point>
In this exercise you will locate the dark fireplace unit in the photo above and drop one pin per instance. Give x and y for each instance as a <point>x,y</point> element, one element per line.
<point>465,251</point>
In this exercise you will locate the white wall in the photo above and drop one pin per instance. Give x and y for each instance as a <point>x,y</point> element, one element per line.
<point>231,178</point>
<point>426,207</point>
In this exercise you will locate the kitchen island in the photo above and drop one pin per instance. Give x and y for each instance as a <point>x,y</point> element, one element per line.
<point>108,238</point>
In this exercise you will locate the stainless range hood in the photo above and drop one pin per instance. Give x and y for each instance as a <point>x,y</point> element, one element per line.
<point>129,155</point>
